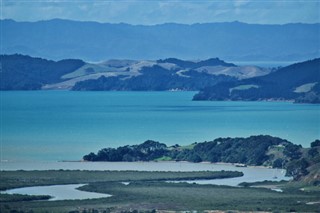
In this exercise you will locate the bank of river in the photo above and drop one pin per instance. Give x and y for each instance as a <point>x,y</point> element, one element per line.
<point>251,174</point>
<point>58,192</point>
<point>65,192</point>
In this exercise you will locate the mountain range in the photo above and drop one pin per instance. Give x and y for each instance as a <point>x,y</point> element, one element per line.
<point>21,72</point>
<point>214,78</point>
<point>92,41</point>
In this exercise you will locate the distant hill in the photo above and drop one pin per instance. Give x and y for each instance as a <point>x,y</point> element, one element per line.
<point>21,72</point>
<point>299,82</point>
<point>301,163</point>
<point>92,41</point>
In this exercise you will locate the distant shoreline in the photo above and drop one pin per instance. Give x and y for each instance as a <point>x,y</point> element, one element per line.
<point>169,161</point>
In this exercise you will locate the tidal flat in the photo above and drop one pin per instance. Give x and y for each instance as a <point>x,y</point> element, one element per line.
<point>148,191</point>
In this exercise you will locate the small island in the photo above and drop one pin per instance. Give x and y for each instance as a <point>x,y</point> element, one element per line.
<point>262,150</point>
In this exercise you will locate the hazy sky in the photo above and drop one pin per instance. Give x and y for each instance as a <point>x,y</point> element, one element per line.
<point>157,12</point>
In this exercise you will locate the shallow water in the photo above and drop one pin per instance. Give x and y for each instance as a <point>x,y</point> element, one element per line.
<point>251,174</point>
<point>65,125</point>
<point>58,192</point>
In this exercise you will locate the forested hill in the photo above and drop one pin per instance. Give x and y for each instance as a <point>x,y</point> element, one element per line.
<point>20,72</point>
<point>255,150</point>
<point>299,82</point>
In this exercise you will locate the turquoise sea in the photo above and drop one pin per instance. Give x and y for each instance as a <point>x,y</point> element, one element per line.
<point>65,125</point>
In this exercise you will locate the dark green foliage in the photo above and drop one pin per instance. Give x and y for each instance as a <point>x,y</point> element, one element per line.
<point>254,150</point>
<point>146,192</point>
<point>20,198</point>
<point>297,168</point>
<point>194,65</point>
<point>146,151</point>
<point>194,157</point>
<point>21,72</point>
<point>251,151</point>
<point>293,151</point>
<point>315,143</point>
<point>313,155</point>
<point>154,78</point>
<point>313,152</point>
<point>278,85</point>
<point>279,163</point>
<point>15,179</point>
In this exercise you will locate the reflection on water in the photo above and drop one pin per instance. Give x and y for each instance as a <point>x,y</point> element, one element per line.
<point>58,192</point>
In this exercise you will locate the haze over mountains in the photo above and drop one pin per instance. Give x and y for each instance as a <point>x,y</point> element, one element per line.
<point>162,57</point>
<point>91,41</point>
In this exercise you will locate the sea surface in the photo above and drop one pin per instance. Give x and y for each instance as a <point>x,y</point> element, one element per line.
<point>65,125</point>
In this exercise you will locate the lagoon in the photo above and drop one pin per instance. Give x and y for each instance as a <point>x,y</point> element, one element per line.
<point>58,192</point>
<point>65,125</point>
<point>67,192</point>
<point>251,174</point>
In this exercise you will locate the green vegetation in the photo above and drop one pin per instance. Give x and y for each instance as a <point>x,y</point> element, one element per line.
<point>155,78</point>
<point>20,198</point>
<point>305,87</point>
<point>298,82</point>
<point>155,194</point>
<point>14,179</point>
<point>19,72</point>
<point>243,87</point>
<point>255,150</point>
<point>315,143</point>
<point>149,150</point>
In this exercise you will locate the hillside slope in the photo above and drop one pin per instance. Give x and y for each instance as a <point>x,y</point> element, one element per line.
<point>20,72</point>
<point>301,163</point>
<point>299,82</point>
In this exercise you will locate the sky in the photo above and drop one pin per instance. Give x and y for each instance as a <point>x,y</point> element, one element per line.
<point>150,12</point>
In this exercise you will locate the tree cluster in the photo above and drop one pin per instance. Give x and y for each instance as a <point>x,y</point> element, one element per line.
<point>147,151</point>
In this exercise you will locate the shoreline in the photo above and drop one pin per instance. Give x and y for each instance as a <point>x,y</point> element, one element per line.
<point>83,162</point>
<point>169,161</point>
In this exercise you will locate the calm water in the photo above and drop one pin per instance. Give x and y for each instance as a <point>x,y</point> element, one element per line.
<point>66,192</point>
<point>65,125</point>
<point>58,192</point>
<point>251,174</point>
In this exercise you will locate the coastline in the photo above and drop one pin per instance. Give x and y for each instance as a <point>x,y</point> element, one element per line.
<point>167,161</point>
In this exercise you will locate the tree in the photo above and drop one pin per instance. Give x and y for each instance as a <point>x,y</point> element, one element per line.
<point>315,143</point>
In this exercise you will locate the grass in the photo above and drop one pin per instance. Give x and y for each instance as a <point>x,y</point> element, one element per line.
<point>15,179</point>
<point>82,71</point>
<point>147,192</point>
<point>243,87</point>
<point>164,158</point>
<point>304,88</point>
